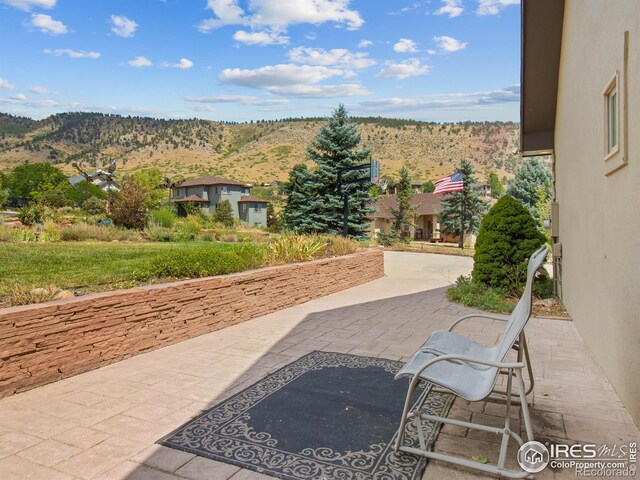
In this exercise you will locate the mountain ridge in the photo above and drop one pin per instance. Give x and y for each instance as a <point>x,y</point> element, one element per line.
<point>259,151</point>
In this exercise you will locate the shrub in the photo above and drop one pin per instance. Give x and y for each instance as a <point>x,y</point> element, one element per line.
<point>189,228</point>
<point>24,295</point>
<point>164,217</point>
<point>507,238</point>
<point>31,214</point>
<point>160,234</point>
<point>205,261</point>
<point>95,206</point>
<point>297,248</point>
<point>81,231</point>
<point>10,234</point>
<point>128,207</point>
<point>343,246</point>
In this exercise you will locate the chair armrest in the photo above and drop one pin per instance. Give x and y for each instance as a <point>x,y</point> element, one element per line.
<point>495,316</point>
<point>468,360</point>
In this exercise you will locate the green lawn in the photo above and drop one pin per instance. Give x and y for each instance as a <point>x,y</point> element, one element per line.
<point>79,266</point>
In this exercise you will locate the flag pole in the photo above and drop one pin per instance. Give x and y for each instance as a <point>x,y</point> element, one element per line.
<point>461,241</point>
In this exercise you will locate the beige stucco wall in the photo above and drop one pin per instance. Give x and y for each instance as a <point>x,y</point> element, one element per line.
<point>599,222</point>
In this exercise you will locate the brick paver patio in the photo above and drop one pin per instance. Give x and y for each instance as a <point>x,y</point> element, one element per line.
<point>103,424</point>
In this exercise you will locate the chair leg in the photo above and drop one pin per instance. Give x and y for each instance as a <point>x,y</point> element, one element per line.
<point>524,406</point>
<point>405,412</point>
<point>506,435</point>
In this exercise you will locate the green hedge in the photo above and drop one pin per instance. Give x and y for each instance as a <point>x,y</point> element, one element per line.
<point>205,262</point>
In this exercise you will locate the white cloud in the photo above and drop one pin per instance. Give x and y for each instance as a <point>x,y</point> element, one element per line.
<point>292,80</point>
<point>311,36</point>
<point>58,52</point>
<point>404,45</point>
<point>449,44</point>
<point>272,13</point>
<point>28,5</point>
<point>340,57</point>
<point>183,64</point>
<point>5,85</point>
<point>20,97</point>
<point>494,7</point>
<point>401,70</point>
<point>408,8</point>
<point>123,26</point>
<point>241,99</point>
<point>452,8</point>
<point>365,43</point>
<point>39,90</point>
<point>431,51</point>
<point>46,24</point>
<point>139,62</point>
<point>448,101</point>
<point>260,38</point>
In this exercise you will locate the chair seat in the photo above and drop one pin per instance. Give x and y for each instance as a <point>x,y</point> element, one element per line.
<point>471,382</point>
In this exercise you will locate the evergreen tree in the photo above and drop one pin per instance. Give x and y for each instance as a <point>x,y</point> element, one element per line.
<point>405,213</point>
<point>508,236</point>
<point>462,211</point>
<point>524,187</point>
<point>497,190</point>
<point>296,214</point>
<point>334,148</point>
<point>428,187</point>
<point>224,213</point>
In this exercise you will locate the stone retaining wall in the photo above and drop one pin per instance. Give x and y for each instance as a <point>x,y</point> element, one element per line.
<point>45,342</point>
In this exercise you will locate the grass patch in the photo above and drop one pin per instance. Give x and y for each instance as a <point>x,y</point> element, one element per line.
<point>473,294</point>
<point>442,249</point>
<point>80,266</point>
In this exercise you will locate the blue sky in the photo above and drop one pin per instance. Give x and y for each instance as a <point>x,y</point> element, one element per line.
<point>437,60</point>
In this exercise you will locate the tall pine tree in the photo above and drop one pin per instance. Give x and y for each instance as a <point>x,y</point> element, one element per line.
<point>463,211</point>
<point>299,191</point>
<point>335,147</point>
<point>405,213</point>
<point>532,180</point>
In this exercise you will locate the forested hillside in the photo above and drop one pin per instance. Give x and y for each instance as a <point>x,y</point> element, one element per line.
<point>255,152</point>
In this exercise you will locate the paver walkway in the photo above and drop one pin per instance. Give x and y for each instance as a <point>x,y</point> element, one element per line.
<point>103,424</point>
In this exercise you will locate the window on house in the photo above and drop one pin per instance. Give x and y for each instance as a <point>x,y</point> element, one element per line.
<point>612,116</point>
<point>225,190</point>
<point>257,207</point>
<point>244,207</point>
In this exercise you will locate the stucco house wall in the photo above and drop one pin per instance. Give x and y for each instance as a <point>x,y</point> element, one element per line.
<point>599,210</point>
<point>253,213</point>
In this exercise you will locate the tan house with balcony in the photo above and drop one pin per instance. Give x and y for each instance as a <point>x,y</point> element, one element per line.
<point>580,103</point>
<point>426,226</point>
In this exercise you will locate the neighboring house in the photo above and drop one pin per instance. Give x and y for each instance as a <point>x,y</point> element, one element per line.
<point>207,192</point>
<point>97,181</point>
<point>484,189</point>
<point>416,185</point>
<point>580,103</point>
<point>426,226</point>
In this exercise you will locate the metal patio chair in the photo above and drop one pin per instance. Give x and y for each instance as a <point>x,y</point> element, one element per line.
<point>453,363</point>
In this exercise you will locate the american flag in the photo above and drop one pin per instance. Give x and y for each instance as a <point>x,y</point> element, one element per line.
<point>454,183</point>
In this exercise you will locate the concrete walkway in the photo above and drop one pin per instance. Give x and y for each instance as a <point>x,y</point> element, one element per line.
<point>103,424</point>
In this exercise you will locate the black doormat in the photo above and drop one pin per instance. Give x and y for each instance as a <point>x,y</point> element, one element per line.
<point>324,416</point>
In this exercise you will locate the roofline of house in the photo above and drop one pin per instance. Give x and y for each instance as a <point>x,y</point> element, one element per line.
<point>541,34</point>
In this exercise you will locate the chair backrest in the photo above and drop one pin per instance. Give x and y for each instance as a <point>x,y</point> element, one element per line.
<point>522,312</point>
